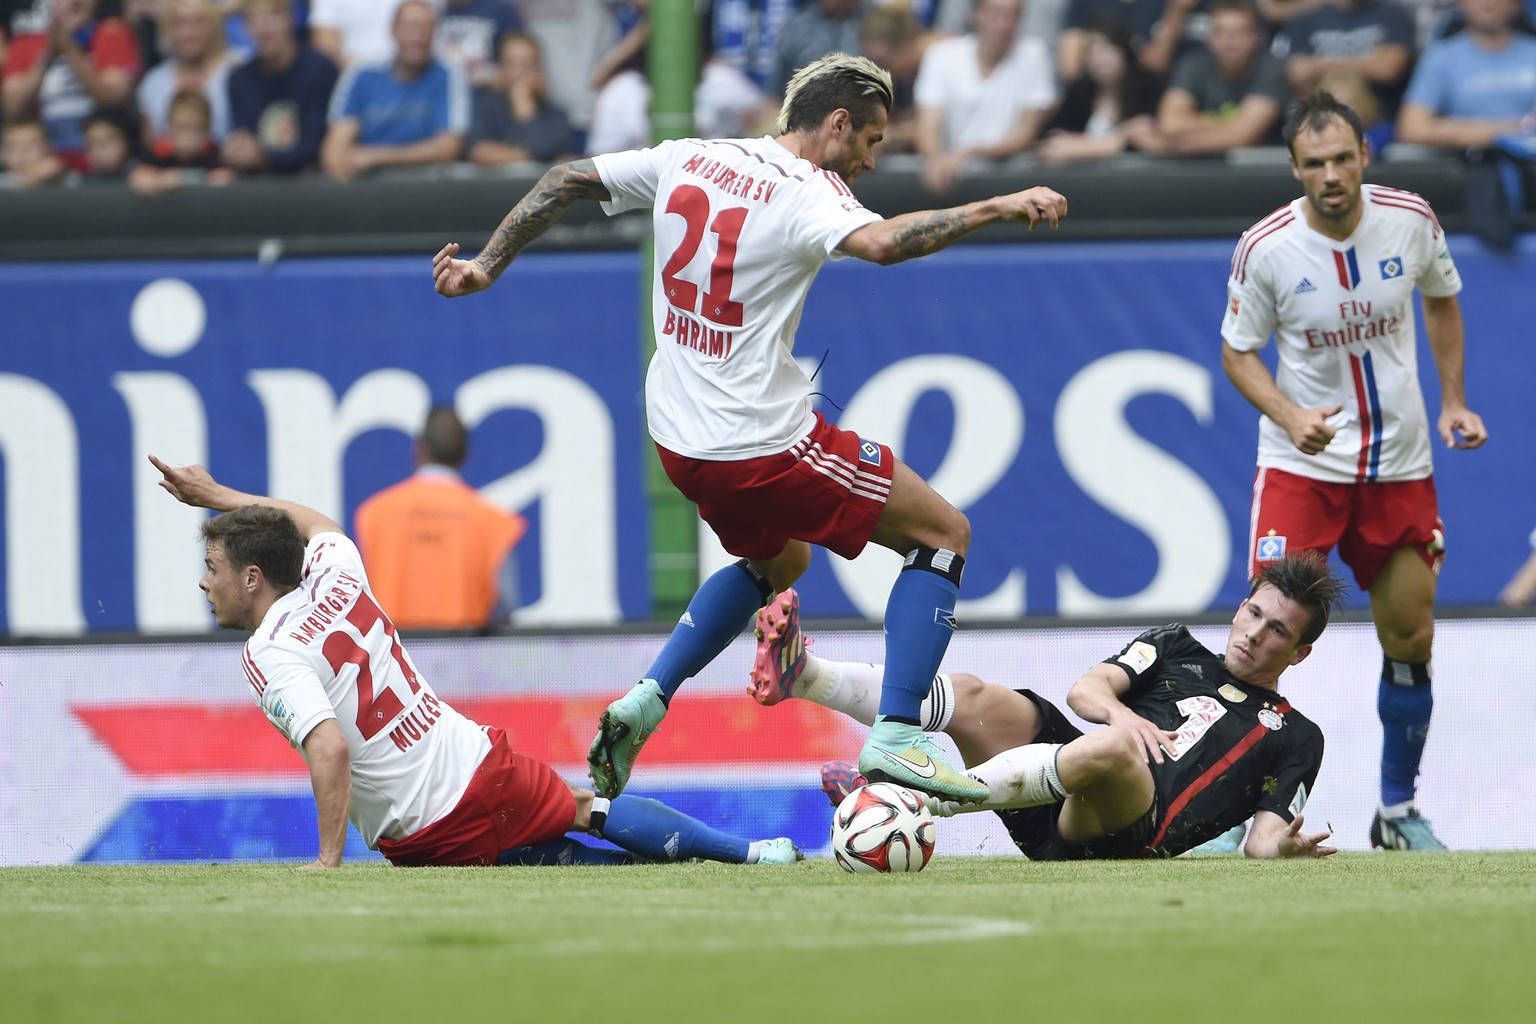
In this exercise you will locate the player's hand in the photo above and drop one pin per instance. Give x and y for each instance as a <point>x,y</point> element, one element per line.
<point>1309,428</point>
<point>1460,427</point>
<point>1035,205</point>
<point>453,277</point>
<point>190,485</point>
<point>1156,742</point>
<point>1293,844</point>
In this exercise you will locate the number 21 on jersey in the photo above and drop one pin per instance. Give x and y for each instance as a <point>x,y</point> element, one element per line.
<point>692,204</point>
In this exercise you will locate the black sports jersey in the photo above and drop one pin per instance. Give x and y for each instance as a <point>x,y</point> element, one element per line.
<point>1241,748</point>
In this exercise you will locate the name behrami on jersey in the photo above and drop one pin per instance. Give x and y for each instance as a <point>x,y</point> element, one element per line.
<point>742,226</point>
<point>327,651</point>
<point>1343,321</point>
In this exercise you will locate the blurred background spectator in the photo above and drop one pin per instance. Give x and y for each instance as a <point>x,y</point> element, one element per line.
<point>1521,589</point>
<point>820,27</point>
<point>1112,90</point>
<point>1476,85</point>
<point>438,555</point>
<point>726,103</point>
<point>469,32</point>
<point>1136,19</point>
<point>1229,96</point>
<point>60,74</point>
<point>410,111</point>
<point>198,59</point>
<point>355,31</point>
<point>514,121</point>
<point>1372,40</point>
<point>895,39</point>
<point>26,157</point>
<point>579,32</point>
<point>985,95</point>
<point>279,98</point>
<point>112,139</point>
<point>186,154</point>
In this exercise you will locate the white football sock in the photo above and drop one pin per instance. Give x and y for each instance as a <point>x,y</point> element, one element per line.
<point>853,688</point>
<point>1022,777</point>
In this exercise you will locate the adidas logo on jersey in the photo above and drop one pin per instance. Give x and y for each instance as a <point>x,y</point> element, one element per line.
<point>1304,287</point>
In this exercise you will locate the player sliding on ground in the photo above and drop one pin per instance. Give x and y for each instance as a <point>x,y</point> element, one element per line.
<point>742,227</point>
<point>423,784</point>
<point>1194,743</point>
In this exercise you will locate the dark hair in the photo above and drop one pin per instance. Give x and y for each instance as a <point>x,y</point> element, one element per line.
<point>121,118</point>
<point>444,437</point>
<point>1314,113</point>
<point>262,536</point>
<point>1306,579</point>
<point>836,81</point>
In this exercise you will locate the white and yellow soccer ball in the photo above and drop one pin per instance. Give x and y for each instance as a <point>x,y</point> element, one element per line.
<point>882,827</point>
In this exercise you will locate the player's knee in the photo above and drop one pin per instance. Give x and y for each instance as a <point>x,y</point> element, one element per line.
<point>970,691</point>
<point>1413,644</point>
<point>1117,750</point>
<point>957,531</point>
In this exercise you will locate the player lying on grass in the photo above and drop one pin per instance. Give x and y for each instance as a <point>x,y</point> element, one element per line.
<point>1194,743</point>
<point>423,784</point>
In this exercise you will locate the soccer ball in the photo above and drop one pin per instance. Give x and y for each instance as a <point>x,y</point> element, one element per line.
<point>882,827</point>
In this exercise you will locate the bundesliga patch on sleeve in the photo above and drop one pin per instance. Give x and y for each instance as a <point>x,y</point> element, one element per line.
<point>1138,657</point>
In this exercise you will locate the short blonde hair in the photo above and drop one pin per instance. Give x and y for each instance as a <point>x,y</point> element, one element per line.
<point>838,80</point>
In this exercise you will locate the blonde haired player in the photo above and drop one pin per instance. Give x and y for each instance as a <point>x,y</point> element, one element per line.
<point>742,226</point>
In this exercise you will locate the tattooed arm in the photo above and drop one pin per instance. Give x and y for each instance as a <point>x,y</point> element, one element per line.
<point>918,234</point>
<point>560,186</point>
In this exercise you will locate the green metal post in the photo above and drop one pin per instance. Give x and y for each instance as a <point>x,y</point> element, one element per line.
<point>673,67</point>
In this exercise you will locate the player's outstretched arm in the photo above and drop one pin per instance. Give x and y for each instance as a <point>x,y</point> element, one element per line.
<point>1096,698</point>
<point>330,774</point>
<point>1272,837</point>
<point>560,186</point>
<point>195,486</point>
<point>917,234</point>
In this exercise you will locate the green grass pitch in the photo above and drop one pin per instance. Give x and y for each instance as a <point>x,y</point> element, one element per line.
<point>1359,938</point>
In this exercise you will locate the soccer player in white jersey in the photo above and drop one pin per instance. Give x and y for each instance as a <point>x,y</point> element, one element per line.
<point>742,226</point>
<point>1344,442</point>
<point>423,784</point>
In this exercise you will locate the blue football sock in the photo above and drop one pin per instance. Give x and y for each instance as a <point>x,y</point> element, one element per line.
<point>919,620</point>
<point>1404,701</point>
<point>721,608</point>
<point>653,830</point>
<point>562,852</point>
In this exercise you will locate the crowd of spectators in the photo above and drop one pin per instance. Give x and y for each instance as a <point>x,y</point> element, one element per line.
<point>158,93</point>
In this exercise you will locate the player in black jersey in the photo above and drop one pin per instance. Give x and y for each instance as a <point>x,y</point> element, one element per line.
<point>1194,742</point>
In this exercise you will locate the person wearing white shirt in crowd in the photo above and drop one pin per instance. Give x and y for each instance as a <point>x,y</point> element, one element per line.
<point>199,60</point>
<point>355,31</point>
<point>981,96</point>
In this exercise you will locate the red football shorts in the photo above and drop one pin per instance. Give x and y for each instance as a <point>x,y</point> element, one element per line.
<point>829,490</point>
<point>511,801</point>
<point>1367,521</point>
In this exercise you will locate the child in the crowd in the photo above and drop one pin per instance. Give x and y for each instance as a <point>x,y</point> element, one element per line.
<point>186,154</point>
<point>25,156</point>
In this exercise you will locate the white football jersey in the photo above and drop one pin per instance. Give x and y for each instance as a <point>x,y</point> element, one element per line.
<point>1342,314</point>
<point>326,650</point>
<point>741,228</point>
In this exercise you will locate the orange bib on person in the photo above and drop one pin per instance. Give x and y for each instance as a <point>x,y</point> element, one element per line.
<point>433,548</point>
